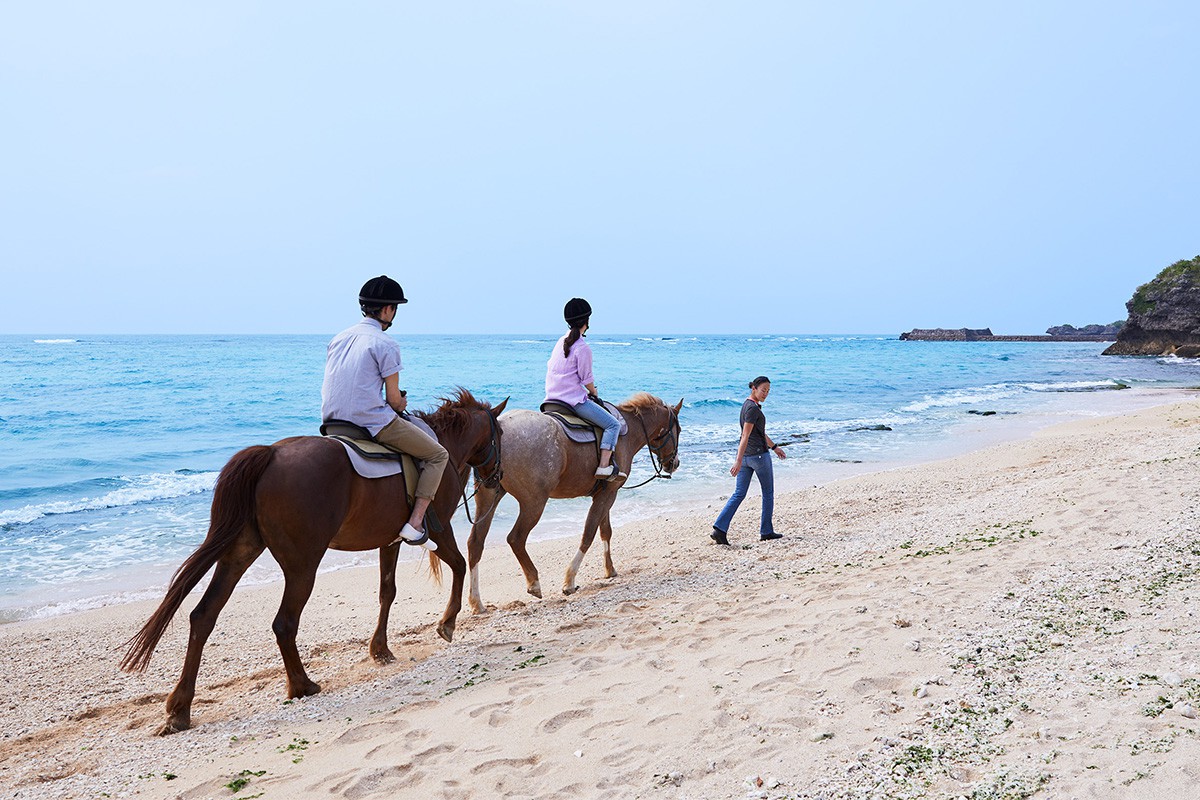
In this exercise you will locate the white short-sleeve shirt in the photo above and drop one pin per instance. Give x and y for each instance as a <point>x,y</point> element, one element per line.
<point>356,364</point>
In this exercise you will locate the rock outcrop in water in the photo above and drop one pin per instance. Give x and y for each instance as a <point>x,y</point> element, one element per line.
<point>1164,315</point>
<point>947,335</point>
<point>1112,329</point>
<point>986,335</point>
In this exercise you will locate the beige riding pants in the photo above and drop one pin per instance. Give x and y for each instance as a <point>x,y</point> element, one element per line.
<point>400,434</point>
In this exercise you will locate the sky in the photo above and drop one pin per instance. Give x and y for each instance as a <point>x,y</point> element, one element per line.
<point>688,167</point>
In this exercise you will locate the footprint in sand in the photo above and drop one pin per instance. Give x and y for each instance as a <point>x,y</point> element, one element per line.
<point>565,718</point>
<point>371,730</point>
<point>498,763</point>
<point>357,783</point>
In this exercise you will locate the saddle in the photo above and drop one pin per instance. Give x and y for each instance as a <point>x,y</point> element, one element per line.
<point>577,428</point>
<point>370,458</point>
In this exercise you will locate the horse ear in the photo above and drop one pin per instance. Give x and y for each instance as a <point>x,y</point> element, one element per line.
<point>678,406</point>
<point>500,408</point>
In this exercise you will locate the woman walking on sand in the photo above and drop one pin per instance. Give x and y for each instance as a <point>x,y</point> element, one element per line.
<point>569,381</point>
<point>753,457</point>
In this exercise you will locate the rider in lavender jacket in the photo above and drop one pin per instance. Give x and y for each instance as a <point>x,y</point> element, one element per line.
<point>569,380</point>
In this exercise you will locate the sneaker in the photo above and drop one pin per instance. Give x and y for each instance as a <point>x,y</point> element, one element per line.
<point>410,535</point>
<point>610,473</point>
<point>719,537</point>
<point>766,537</point>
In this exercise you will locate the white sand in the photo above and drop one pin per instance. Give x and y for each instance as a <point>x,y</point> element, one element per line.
<point>1012,621</point>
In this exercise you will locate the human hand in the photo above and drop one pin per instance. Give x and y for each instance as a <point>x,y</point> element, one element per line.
<point>736,468</point>
<point>779,451</point>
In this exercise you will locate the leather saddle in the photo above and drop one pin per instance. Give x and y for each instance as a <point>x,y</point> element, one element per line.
<point>577,428</point>
<point>359,440</point>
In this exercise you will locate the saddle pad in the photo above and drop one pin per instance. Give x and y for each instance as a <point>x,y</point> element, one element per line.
<point>371,459</point>
<point>576,428</point>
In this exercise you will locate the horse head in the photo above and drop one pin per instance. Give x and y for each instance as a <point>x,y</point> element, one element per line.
<point>660,423</point>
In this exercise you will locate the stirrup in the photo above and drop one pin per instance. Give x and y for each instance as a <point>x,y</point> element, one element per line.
<point>410,535</point>
<point>610,473</point>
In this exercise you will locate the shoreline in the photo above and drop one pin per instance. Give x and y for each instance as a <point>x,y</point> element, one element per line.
<point>565,520</point>
<point>980,621</point>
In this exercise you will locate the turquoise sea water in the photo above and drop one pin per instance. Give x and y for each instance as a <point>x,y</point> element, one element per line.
<point>109,445</point>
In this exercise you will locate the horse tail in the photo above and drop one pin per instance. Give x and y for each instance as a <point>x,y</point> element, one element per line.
<point>435,569</point>
<point>232,509</point>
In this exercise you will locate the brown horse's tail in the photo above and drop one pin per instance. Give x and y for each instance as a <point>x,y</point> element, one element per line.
<point>435,568</point>
<point>232,508</point>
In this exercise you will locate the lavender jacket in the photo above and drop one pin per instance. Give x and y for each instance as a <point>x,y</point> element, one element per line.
<point>566,376</point>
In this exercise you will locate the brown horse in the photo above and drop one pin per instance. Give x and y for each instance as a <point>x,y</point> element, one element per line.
<point>540,462</point>
<point>298,498</point>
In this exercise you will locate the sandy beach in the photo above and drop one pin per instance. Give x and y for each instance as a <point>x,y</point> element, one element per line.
<point>1019,621</point>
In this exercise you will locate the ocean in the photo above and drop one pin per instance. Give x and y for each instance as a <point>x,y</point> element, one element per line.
<point>111,444</point>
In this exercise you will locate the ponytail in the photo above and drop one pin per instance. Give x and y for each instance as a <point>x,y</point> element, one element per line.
<point>571,339</point>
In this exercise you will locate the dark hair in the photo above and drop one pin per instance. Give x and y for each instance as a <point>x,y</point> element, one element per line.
<point>572,338</point>
<point>760,379</point>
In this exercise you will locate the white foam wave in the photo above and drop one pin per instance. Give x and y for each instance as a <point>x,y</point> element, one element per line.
<point>140,489</point>
<point>614,344</point>
<point>530,341</point>
<point>55,341</point>
<point>1069,386</point>
<point>960,397</point>
<point>1004,391</point>
<point>1175,361</point>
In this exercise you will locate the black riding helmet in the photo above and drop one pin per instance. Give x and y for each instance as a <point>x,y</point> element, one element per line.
<point>576,312</point>
<point>381,291</point>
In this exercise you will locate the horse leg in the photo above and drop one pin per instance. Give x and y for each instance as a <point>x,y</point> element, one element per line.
<point>485,509</point>
<point>606,539</point>
<point>297,587</point>
<point>530,513</point>
<point>379,649</point>
<point>228,572</point>
<point>452,558</point>
<point>597,513</point>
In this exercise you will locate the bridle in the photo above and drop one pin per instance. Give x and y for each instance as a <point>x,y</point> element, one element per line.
<point>669,438</point>
<point>492,481</point>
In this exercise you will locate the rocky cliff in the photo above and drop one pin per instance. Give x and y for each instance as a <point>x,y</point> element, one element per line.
<point>1164,315</point>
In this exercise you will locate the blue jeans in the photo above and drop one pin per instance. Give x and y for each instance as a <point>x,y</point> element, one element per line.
<point>759,465</point>
<point>597,414</point>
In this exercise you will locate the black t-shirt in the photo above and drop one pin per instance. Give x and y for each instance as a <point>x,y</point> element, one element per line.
<point>752,413</point>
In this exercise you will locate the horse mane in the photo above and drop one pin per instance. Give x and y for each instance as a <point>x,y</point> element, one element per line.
<point>642,401</point>
<point>453,415</point>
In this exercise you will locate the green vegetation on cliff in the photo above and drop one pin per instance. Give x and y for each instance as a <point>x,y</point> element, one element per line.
<point>1147,295</point>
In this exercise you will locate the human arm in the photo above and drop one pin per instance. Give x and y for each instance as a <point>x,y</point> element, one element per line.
<point>393,394</point>
<point>772,447</point>
<point>741,452</point>
<point>583,367</point>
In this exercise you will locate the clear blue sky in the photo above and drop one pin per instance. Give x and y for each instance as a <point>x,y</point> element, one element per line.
<point>803,167</point>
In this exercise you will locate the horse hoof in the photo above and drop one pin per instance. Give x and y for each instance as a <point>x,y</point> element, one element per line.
<point>612,573</point>
<point>173,726</point>
<point>536,590</point>
<point>570,589</point>
<point>305,690</point>
<point>446,632</point>
<point>478,608</point>
<point>385,657</point>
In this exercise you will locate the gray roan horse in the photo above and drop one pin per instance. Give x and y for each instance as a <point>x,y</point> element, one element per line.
<point>540,462</point>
